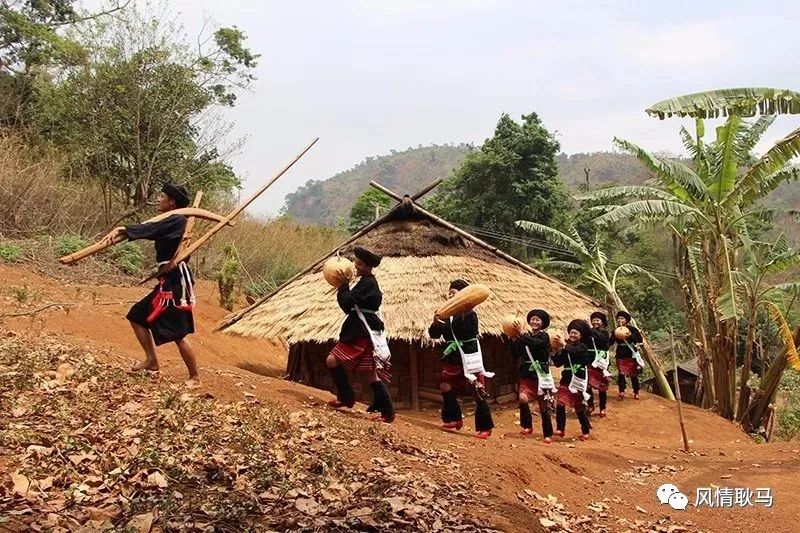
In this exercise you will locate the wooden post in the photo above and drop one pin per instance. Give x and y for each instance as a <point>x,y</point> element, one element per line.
<point>414,376</point>
<point>678,391</point>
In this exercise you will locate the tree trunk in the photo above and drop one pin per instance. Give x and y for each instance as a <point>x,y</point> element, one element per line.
<point>755,418</point>
<point>744,390</point>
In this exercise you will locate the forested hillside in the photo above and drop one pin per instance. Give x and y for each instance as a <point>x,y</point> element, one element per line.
<point>327,201</point>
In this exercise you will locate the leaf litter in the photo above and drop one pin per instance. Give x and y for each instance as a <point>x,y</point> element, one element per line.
<point>85,447</point>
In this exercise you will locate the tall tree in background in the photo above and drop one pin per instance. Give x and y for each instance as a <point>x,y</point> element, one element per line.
<point>513,176</point>
<point>371,204</point>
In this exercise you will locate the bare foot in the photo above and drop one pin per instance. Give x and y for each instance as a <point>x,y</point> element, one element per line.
<point>193,383</point>
<point>144,366</point>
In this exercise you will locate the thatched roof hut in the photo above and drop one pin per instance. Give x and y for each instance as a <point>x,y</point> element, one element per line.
<point>421,255</point>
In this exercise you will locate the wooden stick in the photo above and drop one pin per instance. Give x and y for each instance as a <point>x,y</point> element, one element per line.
<point>229,321</point>
<point>435,183</point>
<point>233,214</point>
<point>678,391</point>
<point>100,246</point>
<point>187,234</point>
<point>483,244</point>
<point>90,250</point>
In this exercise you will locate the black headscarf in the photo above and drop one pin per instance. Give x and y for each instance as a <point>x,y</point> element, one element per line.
<point>372,260</point>
<point>626,316</point>
<point>458,284</point>
<point>543,316</point>
<point>177,193</point>
<point>583,327</point>
<point>602,316</point>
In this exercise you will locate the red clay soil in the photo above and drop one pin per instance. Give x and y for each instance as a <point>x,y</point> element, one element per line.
<point>632,451</point>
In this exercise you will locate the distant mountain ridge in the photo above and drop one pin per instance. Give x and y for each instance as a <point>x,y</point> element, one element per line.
<point>328,201</point>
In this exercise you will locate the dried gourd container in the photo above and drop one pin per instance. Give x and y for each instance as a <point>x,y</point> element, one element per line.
<point>464,300</point>
<point>513,325</point>
<point>338,270</point>
<point>622,333</point>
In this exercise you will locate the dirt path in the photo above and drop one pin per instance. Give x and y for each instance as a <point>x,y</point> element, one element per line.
<point>632,452</point>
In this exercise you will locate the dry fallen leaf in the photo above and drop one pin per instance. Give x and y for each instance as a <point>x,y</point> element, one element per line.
<point>307,505</point>
<point>64,372</point>
<point>21,484</point>
<point>141,523</point>
<point>157,479</point>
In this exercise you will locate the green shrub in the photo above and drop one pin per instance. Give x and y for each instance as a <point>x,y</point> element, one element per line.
<point>10,253</point>
<point>257,289</point>
<point>128,257</point>
<point>69,244</point>
<point>228,278</point>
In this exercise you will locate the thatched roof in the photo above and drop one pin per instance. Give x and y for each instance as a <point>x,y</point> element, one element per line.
<point>422,254</point>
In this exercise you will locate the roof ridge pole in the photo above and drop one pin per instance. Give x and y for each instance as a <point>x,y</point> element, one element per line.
<point>484,244</point>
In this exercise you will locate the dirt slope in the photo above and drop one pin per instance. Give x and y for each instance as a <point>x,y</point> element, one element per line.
<point>633,451</point>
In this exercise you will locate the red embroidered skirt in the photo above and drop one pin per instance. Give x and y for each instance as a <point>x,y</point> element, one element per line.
<point>529,387</point>
<point>567,398</point>
<point>454,376</point>
<point>627,366</point>
<point>597,380</point>
<point>357,356</point>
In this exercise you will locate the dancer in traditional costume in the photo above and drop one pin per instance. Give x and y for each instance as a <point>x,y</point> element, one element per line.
<point>165,315</point>
<point>575,357</point>
<point>461,334</point>
<point>598,370</point>
<point>535,381</point>
<point>354,351</point>
<point>627,356</point>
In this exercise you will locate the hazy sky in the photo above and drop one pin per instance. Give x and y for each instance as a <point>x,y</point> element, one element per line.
<point>371,76</point>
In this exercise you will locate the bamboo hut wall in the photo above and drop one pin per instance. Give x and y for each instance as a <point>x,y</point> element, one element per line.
<point>307,365</point>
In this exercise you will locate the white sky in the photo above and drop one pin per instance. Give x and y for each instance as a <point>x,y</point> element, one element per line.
<point>371,76</point>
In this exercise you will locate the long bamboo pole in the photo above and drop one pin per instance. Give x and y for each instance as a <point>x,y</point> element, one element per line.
<point>233,214</point>
<point>227,322</point>
<point>435,183</point>
<point>483,244</point>
<point>678,391</point>
<point>100,246</point>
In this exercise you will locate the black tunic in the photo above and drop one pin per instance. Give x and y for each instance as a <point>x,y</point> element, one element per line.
<point>166,234</point>
<point>538,345</point>
<point>366,294</point>
<point>172,324</point>
<point>602,339</point>
<point>580,355</point>
<point>465,328</point>
<point>623,350</point>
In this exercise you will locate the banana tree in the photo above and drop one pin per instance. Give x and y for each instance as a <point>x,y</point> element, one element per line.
<point>591,264</point>
<point>708,205</point>
<point>754,291</point>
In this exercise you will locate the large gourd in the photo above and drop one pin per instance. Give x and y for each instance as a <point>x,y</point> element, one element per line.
<point>464,300</point>
<point>622,333</point>
<point>556,342</point>
<point>338,270</point>
<point>513,326</point>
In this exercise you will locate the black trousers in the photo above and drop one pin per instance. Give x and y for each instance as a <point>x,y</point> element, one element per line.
<point>603,398</point>
<point>621,383</point>
<point>526,419</point>
<point>580,412</point>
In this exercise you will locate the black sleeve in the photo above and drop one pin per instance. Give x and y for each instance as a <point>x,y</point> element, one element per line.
<point>436,330</point>
<point>169,227</point>
<point>471,323</point>
<point>344,296</point>
<point>636,336</point>
<point>560,357</point>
